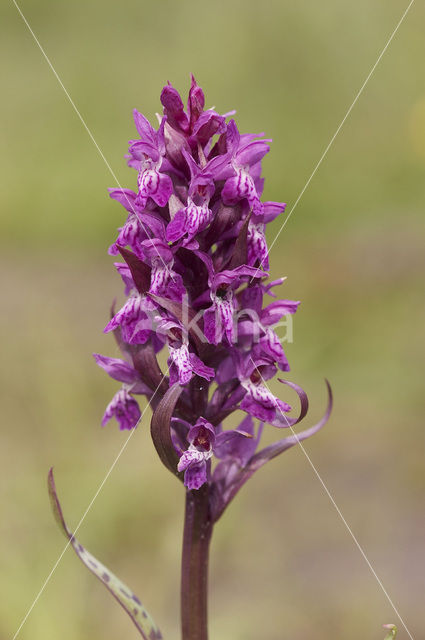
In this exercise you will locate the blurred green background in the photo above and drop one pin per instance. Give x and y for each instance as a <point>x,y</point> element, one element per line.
<point>283,563</point>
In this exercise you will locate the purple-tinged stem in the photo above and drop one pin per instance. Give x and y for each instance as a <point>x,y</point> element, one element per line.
<point>194,583</point>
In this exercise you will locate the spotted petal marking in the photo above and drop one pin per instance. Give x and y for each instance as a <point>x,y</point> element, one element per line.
<point>130,602</point>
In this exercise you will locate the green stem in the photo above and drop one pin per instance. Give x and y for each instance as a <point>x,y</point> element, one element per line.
<point>194,582</point>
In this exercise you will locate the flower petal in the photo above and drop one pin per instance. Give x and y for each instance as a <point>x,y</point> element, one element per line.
<point>174,108</point>
<point>195,475</point>
<point>116,368</point>
<point>124,408</point>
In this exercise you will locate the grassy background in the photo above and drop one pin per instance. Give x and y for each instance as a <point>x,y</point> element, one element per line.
<point>283,564</point>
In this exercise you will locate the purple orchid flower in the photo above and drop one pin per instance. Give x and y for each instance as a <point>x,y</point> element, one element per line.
<point>146,155</point>
<point>219,320</point>
<point>233,447</point>
<point>183,363</point>
<point>197,215</point>
<point>246,156</point>
<point>194,285</point>
<point>194,461</point>
<point>164,281</point>
<point>195,276</point>
<point>133,320</point>
<point>124,408</point>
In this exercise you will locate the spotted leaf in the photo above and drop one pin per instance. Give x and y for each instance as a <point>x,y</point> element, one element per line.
<point>130,602</point>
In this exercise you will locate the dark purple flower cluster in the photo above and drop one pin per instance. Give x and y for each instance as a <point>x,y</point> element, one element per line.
<point>195,271</point>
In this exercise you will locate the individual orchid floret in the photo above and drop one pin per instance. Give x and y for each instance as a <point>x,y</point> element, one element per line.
<point>197,215</point>
<point>271,346</point>
<point>134,230</point>
<point>259,400</point>
<point>147,154</point>
<point>233,447</point>
<point>164,281</point>
<point>183,363</point>
<point>262,404</point>
<point>242,184</point>
<point>124,408</point>
<point>135,323</point>
<point>219,319</point>
<point>259,324</point>
<point>241,187</point>
<point>257,251</point>
<point>194,461</point>
<point>153,184</point>
<point>151,144</point>
<point>189,221</point>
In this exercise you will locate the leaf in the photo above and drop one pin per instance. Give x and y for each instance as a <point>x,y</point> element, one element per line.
<point>140,271</point>
<point>160,429</point>
<point>126,598</point>
<point>270,452</point>
<point>284,421</point>
<point>392,631</point>
<point>146,364</point>
<point>239,255</point>
<point>275,449</point>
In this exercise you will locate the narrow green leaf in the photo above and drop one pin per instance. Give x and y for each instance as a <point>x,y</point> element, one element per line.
<point>130,602</point>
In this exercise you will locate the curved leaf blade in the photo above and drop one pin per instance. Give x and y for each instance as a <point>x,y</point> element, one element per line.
<point>268,453</point>
<point>140,271</point>
<point>275,449</point>
<point>126,598</point>
<point>283,420</point>
<point>160,429</point>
